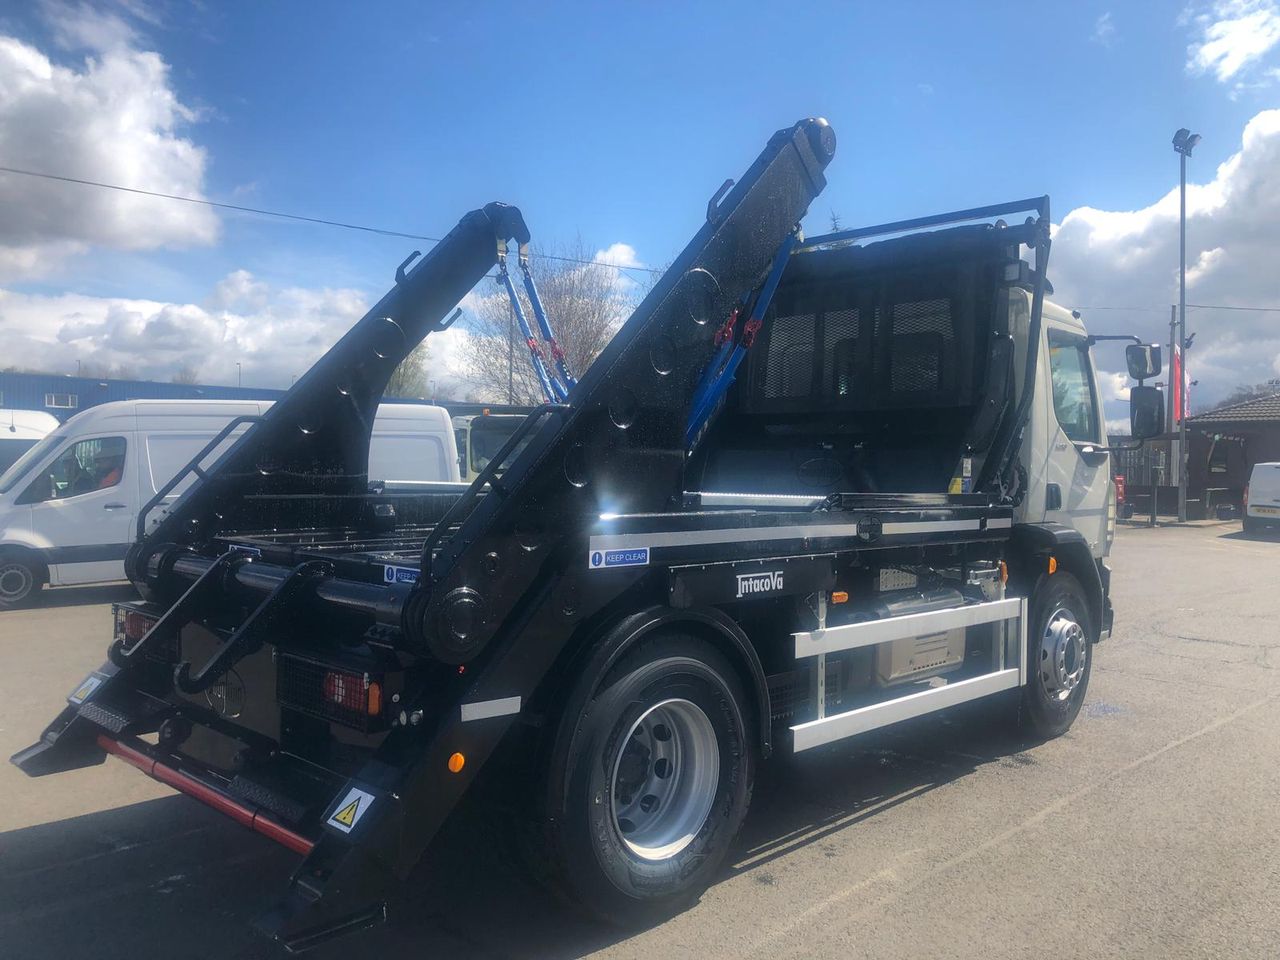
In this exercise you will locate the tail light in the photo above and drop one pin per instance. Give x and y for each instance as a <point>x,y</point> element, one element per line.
<point>132,625</point>
<point>1246,496</point>
<point>354,699</point>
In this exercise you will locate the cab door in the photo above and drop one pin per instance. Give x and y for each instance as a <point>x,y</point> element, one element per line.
<point>1077,471</point>
<point>83,508</point>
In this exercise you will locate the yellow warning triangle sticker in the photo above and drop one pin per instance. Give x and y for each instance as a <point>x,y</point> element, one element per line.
<point>347,815</point>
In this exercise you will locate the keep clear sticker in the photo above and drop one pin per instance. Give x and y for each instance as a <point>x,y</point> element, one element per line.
<point>350,810</point>
<point>85,690</point>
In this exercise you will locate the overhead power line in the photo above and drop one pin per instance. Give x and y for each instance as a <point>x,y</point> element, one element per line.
<point>283,216</point>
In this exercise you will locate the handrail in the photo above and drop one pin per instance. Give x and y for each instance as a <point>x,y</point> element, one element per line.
<point>1039,204</point>
<point>193,465</point>
<point>486,476</point>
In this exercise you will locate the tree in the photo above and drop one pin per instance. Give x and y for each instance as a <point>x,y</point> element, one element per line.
<point>1244,391</point>
<point>186,373</point>
<point>409,379</point>
<point>585,304</point>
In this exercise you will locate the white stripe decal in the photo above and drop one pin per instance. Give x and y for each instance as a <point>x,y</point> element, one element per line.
<point>931,526</point>
<point>484,709</point>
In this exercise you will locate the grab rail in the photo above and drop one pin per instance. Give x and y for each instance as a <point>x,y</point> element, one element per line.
<point>193,466</point>
<point>486,476</point>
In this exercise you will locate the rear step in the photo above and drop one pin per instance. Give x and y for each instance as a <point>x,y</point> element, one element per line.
<point>241,813</point>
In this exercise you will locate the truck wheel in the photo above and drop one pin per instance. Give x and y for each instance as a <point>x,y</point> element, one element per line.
<point>654,783</point>
<point>20,582</point>
<point>1059,656</point>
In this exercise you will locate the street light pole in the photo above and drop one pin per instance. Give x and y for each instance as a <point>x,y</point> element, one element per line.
<point>237,373</point>
<point>1184,141</point>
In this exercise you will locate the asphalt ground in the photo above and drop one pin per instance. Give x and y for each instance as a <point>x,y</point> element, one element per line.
<point>1150,830</point>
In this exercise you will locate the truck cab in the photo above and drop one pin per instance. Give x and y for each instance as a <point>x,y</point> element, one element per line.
<point>1064,454</point>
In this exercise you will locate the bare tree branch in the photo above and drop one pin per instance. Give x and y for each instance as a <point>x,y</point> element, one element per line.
<point>585,303</point>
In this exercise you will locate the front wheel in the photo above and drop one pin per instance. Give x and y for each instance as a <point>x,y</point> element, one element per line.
<point>655,782</point>
<point>1059,656</point>
<point>19,582</point>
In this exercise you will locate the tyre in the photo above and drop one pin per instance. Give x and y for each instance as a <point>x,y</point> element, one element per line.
<point>650,782</point>
<point>1250,525</point>
<point>20,582</point>
<point>1059,656</point>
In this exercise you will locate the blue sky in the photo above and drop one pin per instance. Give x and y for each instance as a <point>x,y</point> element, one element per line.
<point>616,121</point>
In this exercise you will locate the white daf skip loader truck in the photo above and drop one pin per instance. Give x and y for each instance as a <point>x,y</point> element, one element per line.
<point>809,489</point>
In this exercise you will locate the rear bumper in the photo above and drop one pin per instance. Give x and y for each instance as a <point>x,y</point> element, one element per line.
<point>244,814</point>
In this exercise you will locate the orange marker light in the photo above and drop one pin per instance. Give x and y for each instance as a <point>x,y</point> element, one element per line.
<point>456,762</point>
<point>840,596</point>
<point>374,704</point>
<point>1053,564</point>
<point>1004,572</point>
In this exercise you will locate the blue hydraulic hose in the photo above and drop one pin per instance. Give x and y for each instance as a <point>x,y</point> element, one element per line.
<point>567,380</point>
<point>706,399</point>
<point>548,385</point>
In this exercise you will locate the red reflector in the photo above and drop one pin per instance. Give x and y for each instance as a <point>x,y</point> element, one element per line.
<point>137,624</point>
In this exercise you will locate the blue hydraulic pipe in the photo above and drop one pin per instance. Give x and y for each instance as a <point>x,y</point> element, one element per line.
<point>544,378</point>
<point>706,399</point>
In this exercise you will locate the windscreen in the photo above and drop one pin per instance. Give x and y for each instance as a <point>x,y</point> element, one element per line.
<point>22,466</point>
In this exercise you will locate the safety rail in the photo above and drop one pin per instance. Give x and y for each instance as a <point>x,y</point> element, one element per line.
<point>193,466</point>
<point>487,477</point>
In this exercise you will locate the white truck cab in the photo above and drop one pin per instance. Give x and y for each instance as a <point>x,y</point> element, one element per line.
<point>69,506</point>
<point>1064,454</point>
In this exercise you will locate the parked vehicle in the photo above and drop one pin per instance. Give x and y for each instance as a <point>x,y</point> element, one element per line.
<point>1262,497</point>
<point>69,506</point>
<point>735,537</point>
<point>479,438</point>
<point>20,430</point>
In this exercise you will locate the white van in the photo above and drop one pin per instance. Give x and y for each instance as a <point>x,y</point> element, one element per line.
<point>69,505</point>
<point>1262,497</point>
<point>20,430</point>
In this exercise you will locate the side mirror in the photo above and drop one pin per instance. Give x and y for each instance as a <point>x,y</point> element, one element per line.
<point>1143,360</point>
<point>1146,411</point>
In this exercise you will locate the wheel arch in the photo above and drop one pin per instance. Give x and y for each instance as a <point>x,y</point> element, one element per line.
<point>611,641</point>
<point>36,557</point>
<point>1031,545</point>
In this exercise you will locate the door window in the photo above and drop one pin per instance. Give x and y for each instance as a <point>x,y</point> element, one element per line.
<point>1073,396</point>
<point>83,467</point>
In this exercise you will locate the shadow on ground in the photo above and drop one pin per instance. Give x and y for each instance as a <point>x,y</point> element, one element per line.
<point>83,596</point>
<point>172,878</point>
<point>1271,534</point>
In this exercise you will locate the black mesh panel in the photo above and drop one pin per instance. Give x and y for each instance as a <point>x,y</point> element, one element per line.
<point>789,369</point>
<point>840,335</point>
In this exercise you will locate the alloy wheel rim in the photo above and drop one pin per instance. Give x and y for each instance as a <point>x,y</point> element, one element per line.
<point>664,779</point>
<point>1063,654</point>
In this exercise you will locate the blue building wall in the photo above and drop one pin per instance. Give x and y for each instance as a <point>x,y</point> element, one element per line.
<point>32,391</point>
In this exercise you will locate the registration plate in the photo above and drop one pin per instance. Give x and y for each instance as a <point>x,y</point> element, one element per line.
<point>1266,511</point>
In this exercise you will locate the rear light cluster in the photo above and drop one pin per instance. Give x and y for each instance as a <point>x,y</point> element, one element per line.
<point>132,625</point>
<point>321,690</point>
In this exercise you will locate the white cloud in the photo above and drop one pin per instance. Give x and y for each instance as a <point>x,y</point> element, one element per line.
<point>1130,259</point>
<point>113,118</point>
<point>1104,30</point>
<point>1233,35</point>
<point>82,27</point>
<point>274,334</point>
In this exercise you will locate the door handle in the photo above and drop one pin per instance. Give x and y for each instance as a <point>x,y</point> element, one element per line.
<point>114,506</point>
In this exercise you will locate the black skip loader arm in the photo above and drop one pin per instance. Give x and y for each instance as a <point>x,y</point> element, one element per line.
<point>314,439</point>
